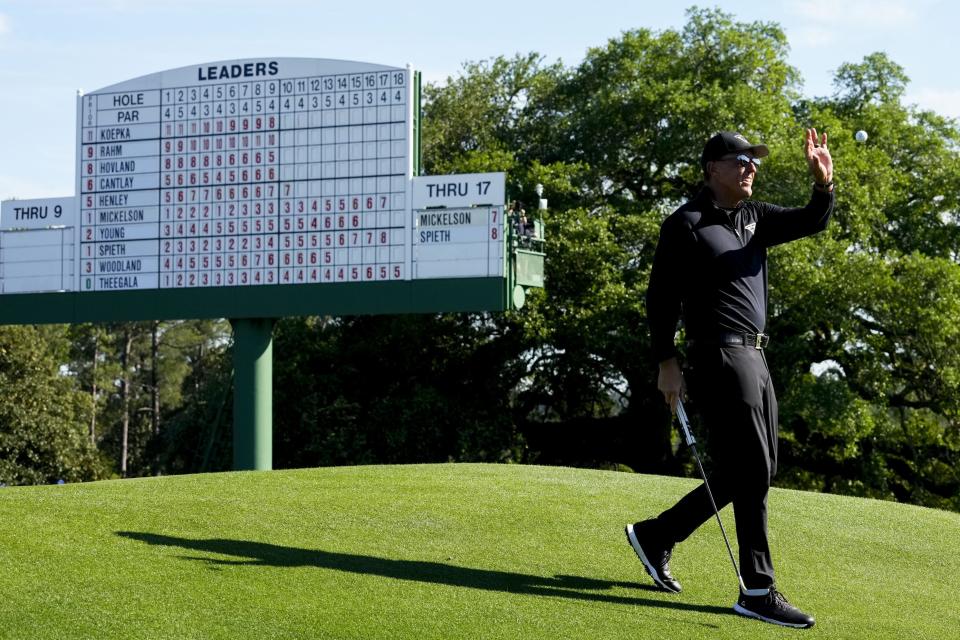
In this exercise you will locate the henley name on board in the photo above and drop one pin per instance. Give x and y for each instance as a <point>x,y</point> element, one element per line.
<point>120,200</point>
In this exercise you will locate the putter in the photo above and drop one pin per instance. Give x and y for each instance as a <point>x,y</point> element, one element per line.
<point>692,443</point>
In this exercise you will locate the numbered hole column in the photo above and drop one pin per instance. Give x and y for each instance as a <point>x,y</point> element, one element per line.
<point>204,260</point>
<point>381,244</point>
<point>399,240</point>
<point>286,259</point>
<point>88,231</point>
<point>271,255</point>
<point>217,248</point>
<point>190,262</point>
<point>167,222</point>
<point>166,263</point>
<point>398,257</point>
<point>88,198</point>
<point>495,242</point>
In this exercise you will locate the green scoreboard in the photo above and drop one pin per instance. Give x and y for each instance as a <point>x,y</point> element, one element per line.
<point>255,188</point>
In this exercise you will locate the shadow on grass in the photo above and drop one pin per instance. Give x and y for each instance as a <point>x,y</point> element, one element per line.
<point>271,555</point>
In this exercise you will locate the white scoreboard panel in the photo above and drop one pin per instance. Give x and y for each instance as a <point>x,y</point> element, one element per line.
<point>246,172</point>
<point>458,225</point>
<point>37,245</point>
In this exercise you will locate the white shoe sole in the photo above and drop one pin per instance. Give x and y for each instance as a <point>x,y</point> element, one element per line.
<point>632,539</point>
<point>750,614</point>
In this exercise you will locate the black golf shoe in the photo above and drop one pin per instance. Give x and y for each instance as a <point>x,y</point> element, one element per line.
<point>654,553</point>
<point>772,607</point>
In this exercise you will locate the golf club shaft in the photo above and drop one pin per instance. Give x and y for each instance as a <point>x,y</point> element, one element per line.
<point>692,443</point>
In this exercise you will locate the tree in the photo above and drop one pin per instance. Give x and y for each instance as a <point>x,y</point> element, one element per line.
<point>876,302</point>
<point>93,371</point>
<point>139,375</point>
<point>871,302</point>
<point>392,389</point>
<point>44,419</point>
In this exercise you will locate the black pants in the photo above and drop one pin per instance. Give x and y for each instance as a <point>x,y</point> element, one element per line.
<point>732,389</point>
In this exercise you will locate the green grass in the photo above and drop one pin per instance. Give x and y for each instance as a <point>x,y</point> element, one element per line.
<point>445,551</point>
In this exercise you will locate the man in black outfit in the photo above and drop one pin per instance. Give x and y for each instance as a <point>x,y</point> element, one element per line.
<point>711,266</point>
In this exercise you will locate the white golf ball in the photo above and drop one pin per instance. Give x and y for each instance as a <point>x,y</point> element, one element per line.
<point>861,136</point>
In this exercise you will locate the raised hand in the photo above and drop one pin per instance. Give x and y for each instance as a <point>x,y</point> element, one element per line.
<point>818,157</point>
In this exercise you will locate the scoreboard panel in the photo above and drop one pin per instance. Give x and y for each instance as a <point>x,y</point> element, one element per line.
<point>251,172</point>
<point>37,245</point>
<point>255,188</point>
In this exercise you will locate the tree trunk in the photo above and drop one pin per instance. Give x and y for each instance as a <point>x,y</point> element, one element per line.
<point>155,377</point>
<point>93,387</point>
<point>125,397</point>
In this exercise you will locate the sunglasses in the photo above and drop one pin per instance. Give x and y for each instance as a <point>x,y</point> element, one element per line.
<point>744,161</point>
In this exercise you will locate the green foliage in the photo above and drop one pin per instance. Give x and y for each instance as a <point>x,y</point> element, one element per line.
<point>878,301</point>
<point>638,110</point>
<point>394,389</point>
<point>43,418</point>
<point>477,121</point>
<point>877,80</point>
<point>196,435</point>
<point>616,142</point>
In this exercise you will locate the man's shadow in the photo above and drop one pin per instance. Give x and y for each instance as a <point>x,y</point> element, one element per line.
<point>271,555</point>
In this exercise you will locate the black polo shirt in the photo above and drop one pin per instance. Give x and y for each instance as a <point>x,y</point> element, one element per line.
<point>711,264</point>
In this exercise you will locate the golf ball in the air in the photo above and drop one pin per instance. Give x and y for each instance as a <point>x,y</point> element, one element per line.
<point>861,136</point>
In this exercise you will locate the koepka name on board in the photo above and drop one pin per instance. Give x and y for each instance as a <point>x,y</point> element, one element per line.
<point>231,71</point>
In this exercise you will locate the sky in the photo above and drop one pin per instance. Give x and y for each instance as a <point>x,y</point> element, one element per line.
<point>50,49</point>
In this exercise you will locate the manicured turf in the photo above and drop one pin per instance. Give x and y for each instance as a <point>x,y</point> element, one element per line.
<point>445,551</point>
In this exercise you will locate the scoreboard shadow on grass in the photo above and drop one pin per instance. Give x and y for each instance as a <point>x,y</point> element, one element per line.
<point>262,554</point>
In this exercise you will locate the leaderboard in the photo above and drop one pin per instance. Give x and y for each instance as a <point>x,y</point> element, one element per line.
<point>248,172</point>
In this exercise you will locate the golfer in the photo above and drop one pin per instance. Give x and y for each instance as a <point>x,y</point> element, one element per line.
<point>710,267</point>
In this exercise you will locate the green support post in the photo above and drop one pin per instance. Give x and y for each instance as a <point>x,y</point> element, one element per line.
<point>252,394</point>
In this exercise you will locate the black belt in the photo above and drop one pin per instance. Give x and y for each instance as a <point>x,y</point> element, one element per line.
<point>730,339</point>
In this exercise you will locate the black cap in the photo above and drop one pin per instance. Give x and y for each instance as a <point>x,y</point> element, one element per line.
<point>727,142</point>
